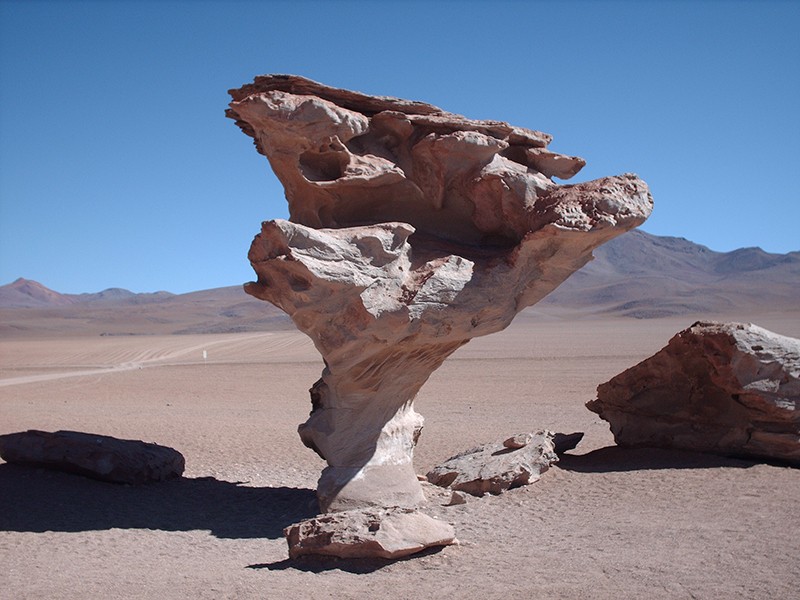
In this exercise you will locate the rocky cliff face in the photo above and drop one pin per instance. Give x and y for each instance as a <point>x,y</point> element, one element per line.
<point>412,231</point>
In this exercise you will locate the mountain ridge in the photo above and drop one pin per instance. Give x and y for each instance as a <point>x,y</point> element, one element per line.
<point>646,276</point>
<point>26,293</point>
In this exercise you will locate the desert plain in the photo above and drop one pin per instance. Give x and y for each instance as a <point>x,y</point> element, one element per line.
<point>604,522</point>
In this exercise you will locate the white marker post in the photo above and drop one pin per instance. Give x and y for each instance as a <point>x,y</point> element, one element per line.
<point>205,356</point>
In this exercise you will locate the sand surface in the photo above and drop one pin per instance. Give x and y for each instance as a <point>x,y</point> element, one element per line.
<point>603,523</point>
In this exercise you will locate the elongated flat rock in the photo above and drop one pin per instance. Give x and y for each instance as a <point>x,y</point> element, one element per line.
<point>368,533</point>
<point>96,456</point>
<point>727,388</point>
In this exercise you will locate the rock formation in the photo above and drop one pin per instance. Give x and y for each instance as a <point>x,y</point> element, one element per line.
<point>368,533</point>
<point>499,466</point>
<point>96,456</point>
<point>412,230</point>
<point>725,388</point>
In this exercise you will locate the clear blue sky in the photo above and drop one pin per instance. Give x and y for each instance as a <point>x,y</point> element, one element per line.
<point>119,169</point>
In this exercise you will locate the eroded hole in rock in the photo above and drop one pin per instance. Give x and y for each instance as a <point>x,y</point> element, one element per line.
<point>298,283</point>
<point>323,166</point>
<point>516,153</point>
<point>361,144</point>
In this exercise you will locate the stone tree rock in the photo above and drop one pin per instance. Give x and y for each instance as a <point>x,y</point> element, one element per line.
<point>726,388</point>
<point>412,230</point>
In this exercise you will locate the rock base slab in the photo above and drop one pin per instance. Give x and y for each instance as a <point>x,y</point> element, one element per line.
<point>96,456</point>
<point>368,533</point>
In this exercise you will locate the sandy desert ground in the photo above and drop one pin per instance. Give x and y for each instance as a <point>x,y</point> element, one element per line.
<point>604,523</point>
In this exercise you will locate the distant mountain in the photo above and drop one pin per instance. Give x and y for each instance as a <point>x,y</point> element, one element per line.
<point>124,295</point>
<point>24,293</point>
<point>28,308</point>
<point>644,276</point>
<point>635,275</point>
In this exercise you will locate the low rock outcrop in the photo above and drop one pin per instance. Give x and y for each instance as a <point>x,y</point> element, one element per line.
<point>96,456</point>
<point>412,231</point>
<point>726,388</point>
<point>499,466</point>
<point>368,533</point>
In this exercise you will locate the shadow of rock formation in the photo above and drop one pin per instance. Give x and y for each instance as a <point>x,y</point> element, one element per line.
<point>612,459</point>
<point>358,566</point>
<point>36,500</point>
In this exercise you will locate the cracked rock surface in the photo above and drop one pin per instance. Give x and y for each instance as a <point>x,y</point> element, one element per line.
<point>499,466</point>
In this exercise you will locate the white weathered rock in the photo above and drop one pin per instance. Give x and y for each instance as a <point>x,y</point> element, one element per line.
<point>412,231</point>
<point>496,467</point>
<point>368,533</point>
<point>726,388</point>
<point>96,456</point>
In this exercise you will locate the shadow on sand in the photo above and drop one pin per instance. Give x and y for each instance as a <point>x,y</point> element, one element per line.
<point>357,566</point>
<point>38,500</point>
<point>616,459</point>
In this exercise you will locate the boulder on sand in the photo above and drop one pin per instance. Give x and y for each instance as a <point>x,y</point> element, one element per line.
<point>726,388</point>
